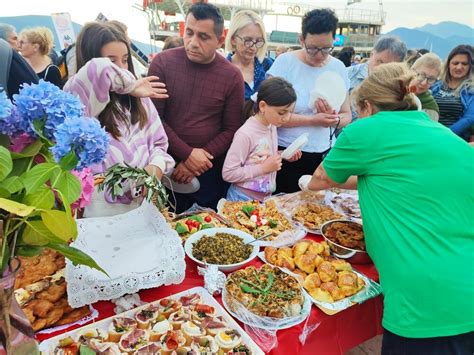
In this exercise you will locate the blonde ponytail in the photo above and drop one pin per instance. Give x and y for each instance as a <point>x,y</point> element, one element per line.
<point>387,88</point>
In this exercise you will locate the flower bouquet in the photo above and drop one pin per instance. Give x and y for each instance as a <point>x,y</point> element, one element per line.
<point>46,145</point>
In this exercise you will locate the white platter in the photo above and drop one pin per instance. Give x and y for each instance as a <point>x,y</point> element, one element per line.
<point>48,345</point>
<point>193,238</point>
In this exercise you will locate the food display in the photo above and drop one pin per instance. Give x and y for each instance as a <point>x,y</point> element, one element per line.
<point>191,224</point>
<point>347,204</point>
<point>288,202</point>
<point>265,292</point>
<point>326,279</point>
<point>40,290</point>
<point>349,235</point>
<point>256,219</point>
<point>222,248</point>
<point>313,216</point>
<point>197,325</point>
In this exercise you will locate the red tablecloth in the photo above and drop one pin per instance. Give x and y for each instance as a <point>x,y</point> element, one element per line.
<point>330,334</point>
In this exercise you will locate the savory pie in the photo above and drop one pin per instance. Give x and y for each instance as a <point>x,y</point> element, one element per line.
<point>266,292</point>
<point>256,219</point>
<point>313,216</point>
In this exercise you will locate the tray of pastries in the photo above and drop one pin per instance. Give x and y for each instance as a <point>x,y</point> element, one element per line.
<point>40,290</point>
<point>332,283</point>
<point>188,322</point>
<point>267,297</point>
<point>255,218</point>
<point>314,215</point>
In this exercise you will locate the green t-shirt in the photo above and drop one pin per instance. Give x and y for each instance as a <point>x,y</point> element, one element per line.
<point>416,191</point>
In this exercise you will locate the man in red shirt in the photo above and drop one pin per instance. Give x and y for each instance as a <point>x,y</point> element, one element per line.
<point>202,113</point>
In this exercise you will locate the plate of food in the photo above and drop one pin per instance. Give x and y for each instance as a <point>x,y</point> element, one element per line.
<point>224,247</point>
<point>188,321</point>
<point>266,298</point>
<point>314,215</point>
<point>331,283</point>
<point>186,225</point>
<point>345,202</point>
<point>346,240</point>
<point>255,218</point>
<point>40,290</point>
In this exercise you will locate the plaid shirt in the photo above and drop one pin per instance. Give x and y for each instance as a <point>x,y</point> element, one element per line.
<point>357,74</point>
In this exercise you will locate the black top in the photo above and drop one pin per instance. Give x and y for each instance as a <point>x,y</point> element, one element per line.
<point>20,72</point>
<point>450,106</point>
<point>52,74</point>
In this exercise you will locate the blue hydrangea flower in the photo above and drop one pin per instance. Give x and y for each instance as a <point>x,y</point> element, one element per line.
<point>5,105</point>
<point>85,137</point>
<point>45,101</point>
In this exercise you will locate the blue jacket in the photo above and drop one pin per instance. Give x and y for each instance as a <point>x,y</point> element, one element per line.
<point>259,74</point>
<point>464,123</point>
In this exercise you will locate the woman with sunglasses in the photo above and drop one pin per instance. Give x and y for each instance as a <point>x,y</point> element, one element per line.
<point>247,47</point>
<point>454,93</point>
<point>427,68</point>
<point>302,68</point>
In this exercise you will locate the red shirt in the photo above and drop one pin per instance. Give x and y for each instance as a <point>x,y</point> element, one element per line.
<point>204,105</point>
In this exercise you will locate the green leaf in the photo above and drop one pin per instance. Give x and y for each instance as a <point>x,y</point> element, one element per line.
<point>12,184</point>
<point>248,209</point>
<point>39,128</point>
<point>27,250</point>
<point>20,166</point>
<point>17,208</point>
<point>76,256</point>
<point>4,193</point>
<point>197,218</point>
<point>69,186</point>
<point>29,151</point>
<point>6,163</point>
<point>4,141</point>
<point>36,233</point>
<point>181,228</point>
<point>59,224</point>
<point>207,226</point>
<point>69,161</point>
<point>38,175</point>
<point>42,198</point>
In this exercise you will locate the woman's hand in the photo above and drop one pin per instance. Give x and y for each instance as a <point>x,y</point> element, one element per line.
<point>322,106</point>
<point>149,87</point>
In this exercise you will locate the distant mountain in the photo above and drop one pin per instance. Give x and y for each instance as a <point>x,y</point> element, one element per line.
<point>447,29</point>
<point>440,38</point>
<point>20,22</point>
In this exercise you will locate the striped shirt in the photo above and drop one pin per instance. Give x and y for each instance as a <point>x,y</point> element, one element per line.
<point>450,106</point>
<point>136,146</point>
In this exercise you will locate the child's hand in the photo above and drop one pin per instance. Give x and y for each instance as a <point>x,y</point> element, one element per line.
<point>272,164</point>
<point>149,87</point>
<point>295,156</point>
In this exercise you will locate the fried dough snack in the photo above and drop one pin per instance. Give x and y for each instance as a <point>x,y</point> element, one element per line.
<point>326,278</point>
<point>313,216</point>
<point>40,290</point>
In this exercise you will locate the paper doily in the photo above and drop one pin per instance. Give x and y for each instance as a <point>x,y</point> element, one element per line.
<point>137,249</point>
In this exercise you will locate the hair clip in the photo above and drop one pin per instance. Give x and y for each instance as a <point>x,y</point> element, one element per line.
<point>254,96</point>
<point>403,90</point>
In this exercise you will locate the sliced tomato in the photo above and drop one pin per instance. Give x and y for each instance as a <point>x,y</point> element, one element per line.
<point>204,308</point>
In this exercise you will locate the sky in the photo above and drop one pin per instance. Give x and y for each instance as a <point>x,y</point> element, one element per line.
<point>400,13</point>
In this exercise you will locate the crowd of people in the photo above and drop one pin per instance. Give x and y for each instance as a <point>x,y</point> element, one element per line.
<point>400,137</point>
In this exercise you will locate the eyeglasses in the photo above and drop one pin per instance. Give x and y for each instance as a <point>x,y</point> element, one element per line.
<point>249,42</point>
<point>422,77</point>
<point>312,51</point>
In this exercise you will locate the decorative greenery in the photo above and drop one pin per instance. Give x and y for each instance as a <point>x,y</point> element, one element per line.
<point>119,175</point>
<point>42,138</point>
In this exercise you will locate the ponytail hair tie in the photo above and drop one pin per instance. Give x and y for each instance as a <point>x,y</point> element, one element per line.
<point>404,90</point>
<point>254,97</point>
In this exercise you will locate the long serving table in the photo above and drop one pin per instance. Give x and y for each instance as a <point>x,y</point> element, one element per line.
<point>319,334</point>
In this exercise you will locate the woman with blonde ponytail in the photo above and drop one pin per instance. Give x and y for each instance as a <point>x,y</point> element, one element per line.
<point>35,46</point>
<point>414,178</point>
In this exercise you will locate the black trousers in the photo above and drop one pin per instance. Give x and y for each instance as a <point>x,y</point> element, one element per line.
<point>212,189</point>
<point>290,173</point>
<point>462,344</point>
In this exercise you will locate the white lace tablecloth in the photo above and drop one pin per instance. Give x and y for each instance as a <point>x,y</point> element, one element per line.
<point>137,249</point>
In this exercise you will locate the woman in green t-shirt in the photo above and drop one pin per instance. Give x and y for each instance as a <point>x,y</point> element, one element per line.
<point>414,178</point>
